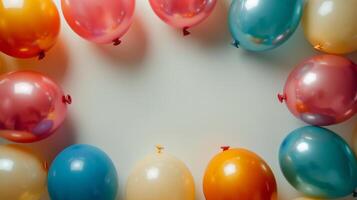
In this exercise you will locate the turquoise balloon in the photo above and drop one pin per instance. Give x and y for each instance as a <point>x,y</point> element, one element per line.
<point>318,163</point>
<point>259,25</point>
<point>82,172</point>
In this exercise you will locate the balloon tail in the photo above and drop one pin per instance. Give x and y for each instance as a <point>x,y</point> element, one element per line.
<point>159,148</point>
<point>116,42</point>
<point>185,31</point>
<point>282,98</point>
<point>67,99</point>
<point>41,55</point>
<point>235,43</point>
<point>225,148</point>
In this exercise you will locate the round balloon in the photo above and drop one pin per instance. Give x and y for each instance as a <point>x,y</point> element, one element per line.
<point>160,176</point>
<point>259,25</point>
<point>82,172</point>
<point>28,28</point>
<point>322,90</point>
<point>22,174</point>
<point>102,21</point>
<point>318,163</point>
<point>330,25</point>
<point>31,106</point>
<point>239,174</point>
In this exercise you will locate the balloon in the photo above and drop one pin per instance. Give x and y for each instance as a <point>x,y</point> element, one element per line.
<point>28,28</point>
<point>102,21</point>
<point>184,13</point>
<point>259,25</point>
<point>305,198</point>
<point>318,163</point>
<point>82,172</point>
<point>31,106</point>
<point>322,90</point>
<point>330,25</point>
<point>239,174</point>
<point>22,174</point>
<point>160,176</point>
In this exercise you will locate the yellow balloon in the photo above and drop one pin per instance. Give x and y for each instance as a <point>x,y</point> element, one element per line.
<point>160,177</point>
<point>331,25</point>
<point>22,174</point>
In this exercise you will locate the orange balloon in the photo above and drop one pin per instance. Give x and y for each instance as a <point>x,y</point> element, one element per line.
<point>239,174</point>
<point>28,28</point>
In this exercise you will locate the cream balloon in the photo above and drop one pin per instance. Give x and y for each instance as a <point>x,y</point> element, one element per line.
<point>160,177</point>
<point>22,174</point>
<point>331,25</point>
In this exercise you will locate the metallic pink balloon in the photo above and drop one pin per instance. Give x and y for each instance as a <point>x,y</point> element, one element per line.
<point>322,90</point>
<point>183,13</point>
<point>100,21</point>
<point>32,106</point>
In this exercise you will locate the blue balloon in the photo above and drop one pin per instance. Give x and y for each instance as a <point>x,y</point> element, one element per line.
<point>259,25</point>
<point>82,172</point>
<point>318,163</point>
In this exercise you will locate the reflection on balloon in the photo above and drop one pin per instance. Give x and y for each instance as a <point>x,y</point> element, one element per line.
<point>160,176</point>
<point>31,106</point>
<point>28,28</point>
<point>82,172</point>
<point>318,163</point>
<point>22,174</point>
<point>330,25</point>
<point>322,90</point>
<point>102,21</point>
<point>239,174</point>
<point>259,25</point>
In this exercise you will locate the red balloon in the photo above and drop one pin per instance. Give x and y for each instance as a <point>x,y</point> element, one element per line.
<point>32,106</point>
<point>322,90</point>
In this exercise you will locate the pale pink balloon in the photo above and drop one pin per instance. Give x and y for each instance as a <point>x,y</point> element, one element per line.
<point>100,21</point>
<point>32,106</point>
<point>322,90</point>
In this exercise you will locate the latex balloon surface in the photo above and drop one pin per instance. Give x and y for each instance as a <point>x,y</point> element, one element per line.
<point>22,174</point>
<point>322,90</point>
<point>318,163</point>
<point>28,28</point>
<point>31,106</point>
<point>102,21</point>
<point>160,177</point>
<point>239,174</point>
<point>82,172</point>
<point>330,25</point>
<point>183,13</point>
<point>259,25</point>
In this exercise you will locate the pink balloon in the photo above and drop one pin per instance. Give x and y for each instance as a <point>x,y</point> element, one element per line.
<point>322,90</point>
<point>183,13</point>
<point>100,21</point>
<point>32,106</point>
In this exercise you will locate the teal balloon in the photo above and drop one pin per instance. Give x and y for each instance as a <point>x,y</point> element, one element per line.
<point>259,25</point>
<point>318,163</point>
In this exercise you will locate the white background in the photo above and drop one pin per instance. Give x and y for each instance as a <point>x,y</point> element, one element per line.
<point>191,94</point>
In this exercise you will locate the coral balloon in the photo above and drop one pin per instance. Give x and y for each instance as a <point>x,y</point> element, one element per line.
<point>160,177</point>
<point>102,21</point>
<point>82,172</point>
<point>322,90</point>
<point>184,13</point>
<point>259,25</point>
<point>239,174</point>
<point>28,28</point>
<point>22,174</point>
<point>31,106</point>
<point>318,163</point>
<point>331,25</point>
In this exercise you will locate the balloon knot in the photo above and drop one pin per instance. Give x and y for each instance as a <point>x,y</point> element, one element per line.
<point>41,55</point>
<point>67,99</point>
<point>159,148</point>
<point>282,98</point>
<point>116,42</point>
<point>225,148</point>
<point>318,46</point>
<point>185,31</point>
<point>236,43</point>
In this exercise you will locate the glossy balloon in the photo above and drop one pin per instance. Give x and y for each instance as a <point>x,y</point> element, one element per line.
<point>102,21</point>
<point>22,174</point>
<point>259,25</point>
<point>31,106</point>
<point>239,174</point>
<point>331,25</point>
<point>82,172</point>
<point>183,13</point>
<point>160,177</point>
<point>322,90</point>
<point>28,28</point>
<point>318,163</point>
